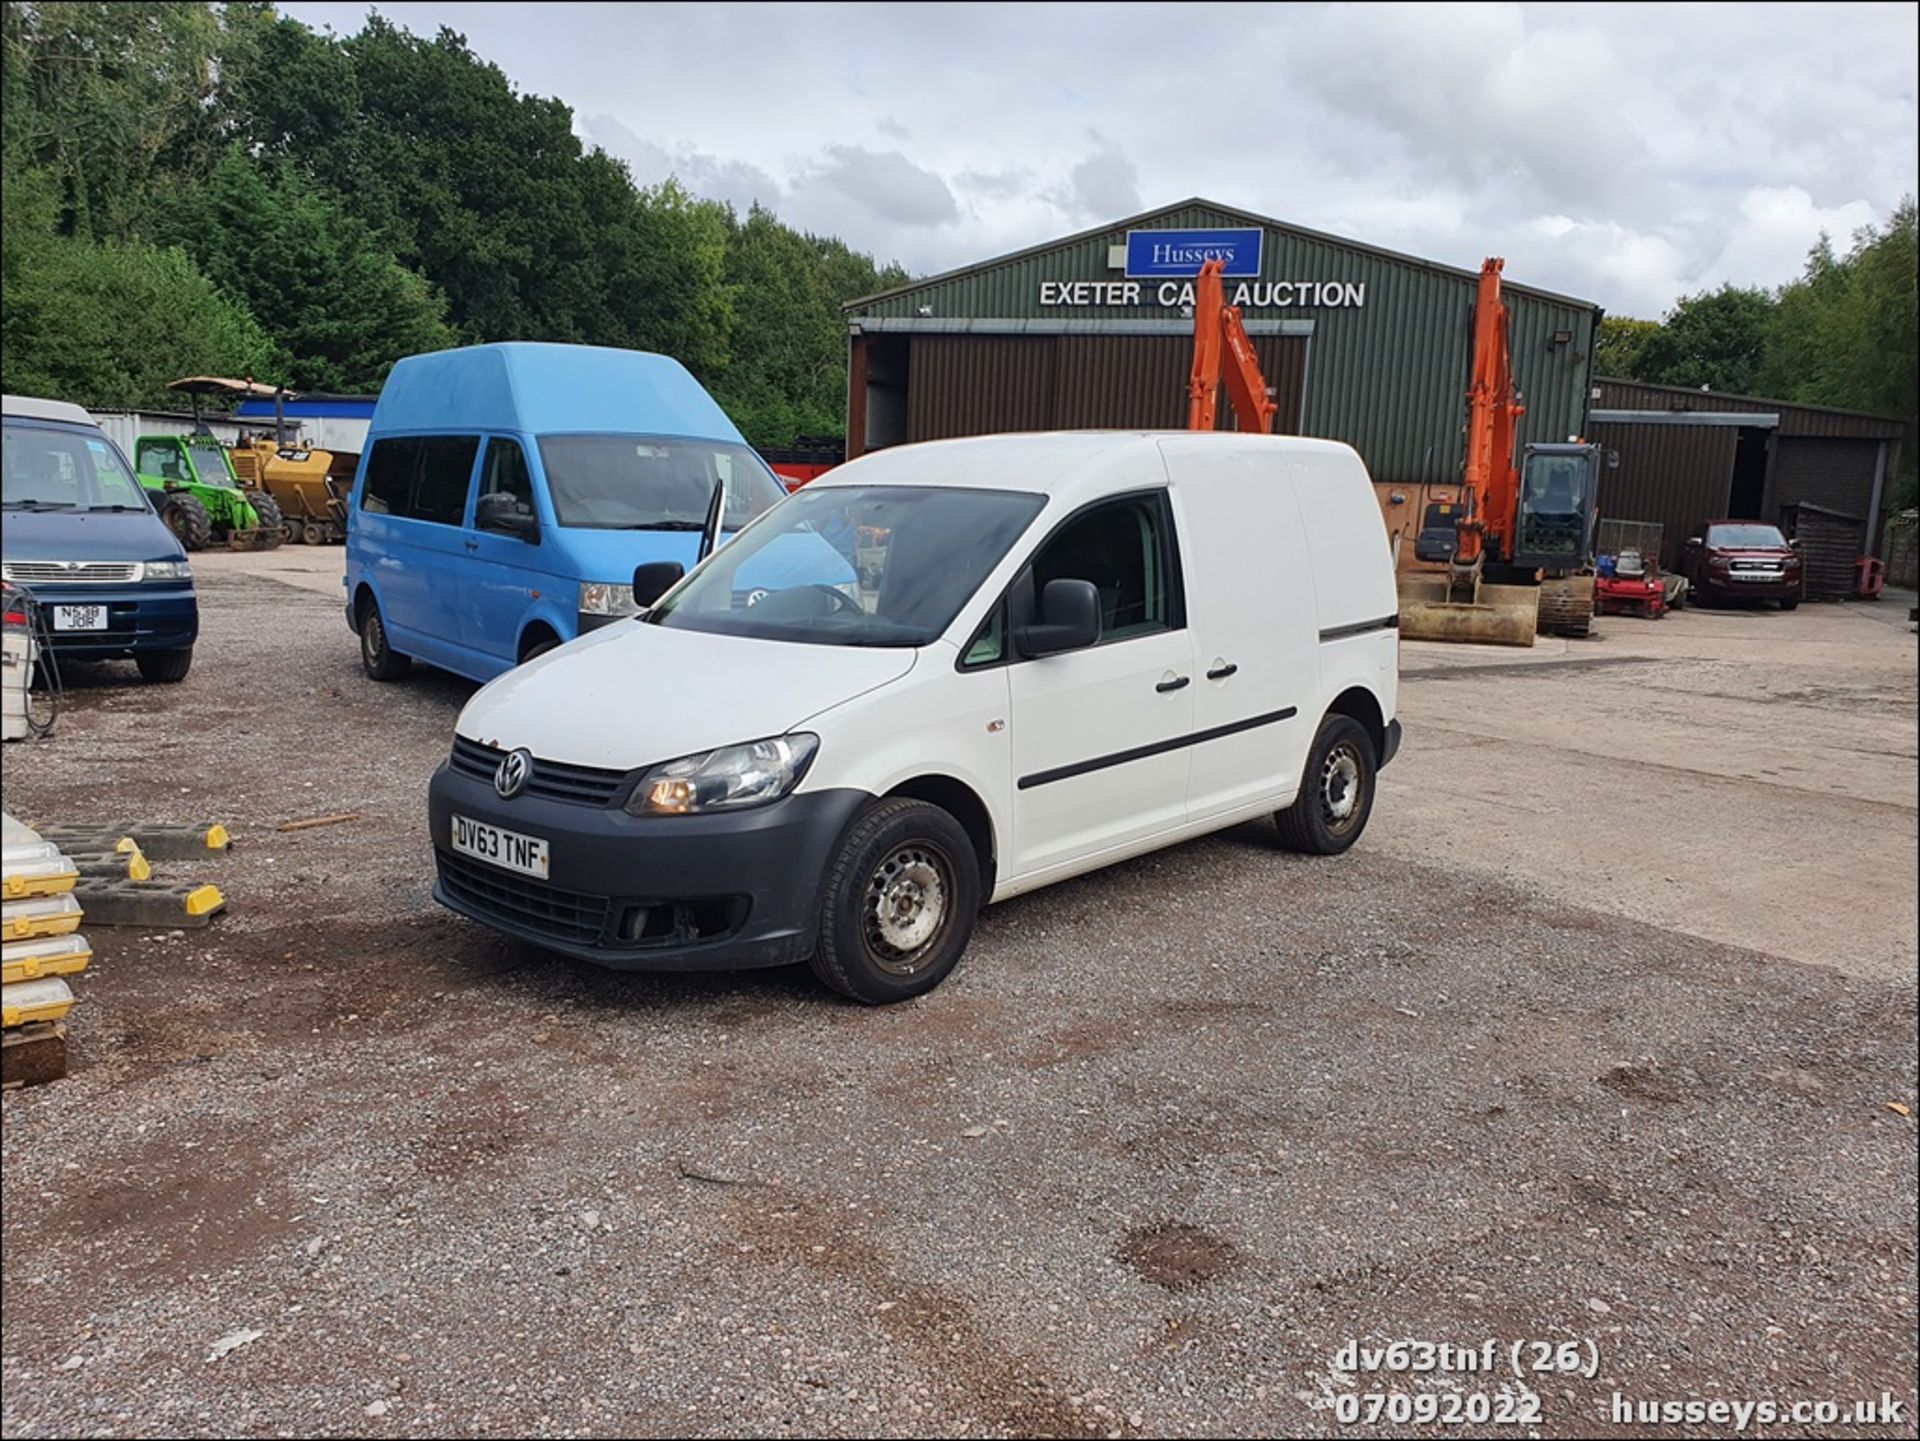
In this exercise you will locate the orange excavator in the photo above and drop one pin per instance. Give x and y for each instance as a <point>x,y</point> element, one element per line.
<point>1517,547</point>
<point>1220,337</point>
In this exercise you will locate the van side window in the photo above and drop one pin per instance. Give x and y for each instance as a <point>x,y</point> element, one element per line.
<point>506,473</point>
<point>390,468</point>
<point>1125,549</point>
<point>446,472</point>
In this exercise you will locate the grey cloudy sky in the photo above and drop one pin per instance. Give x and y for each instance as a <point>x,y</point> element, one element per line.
<point>1623,153</point>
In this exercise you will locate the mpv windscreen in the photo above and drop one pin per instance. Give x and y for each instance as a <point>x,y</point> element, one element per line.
<point>47,469</point>
<point>919,553</point>
<point>638,482</point>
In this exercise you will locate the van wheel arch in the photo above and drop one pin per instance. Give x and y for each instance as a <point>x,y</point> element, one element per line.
<point>1362,705</point>
<point>959,800</point>
<point>363,601</point>
<point>535,639</point>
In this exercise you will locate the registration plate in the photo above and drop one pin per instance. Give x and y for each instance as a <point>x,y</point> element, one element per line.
<point>509,850</point>
<point>79,617</point>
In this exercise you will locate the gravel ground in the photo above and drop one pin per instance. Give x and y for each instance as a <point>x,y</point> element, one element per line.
<point>1171,1136</point>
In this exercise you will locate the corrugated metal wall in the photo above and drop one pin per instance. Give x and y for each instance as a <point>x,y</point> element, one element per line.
<point>1794,419</point>
<point>977,384</point>
<point>1388,377</point>
<point>124,426</point>
<point>1678,475</point>
<point>1835,473</point>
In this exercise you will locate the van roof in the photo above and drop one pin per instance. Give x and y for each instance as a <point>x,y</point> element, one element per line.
<point>27,407</point>
<point>1062,463</point>
<point>544,389</point>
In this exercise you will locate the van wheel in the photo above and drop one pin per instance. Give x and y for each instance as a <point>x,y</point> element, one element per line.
<point>901,897</point>
<point>380,660</point>
<point>1793,604</point>
<point>1336,793</point>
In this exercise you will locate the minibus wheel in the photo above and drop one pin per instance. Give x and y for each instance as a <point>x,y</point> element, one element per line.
<point>900,900</point>
<point>1336,791</point>
<point>380,660</point>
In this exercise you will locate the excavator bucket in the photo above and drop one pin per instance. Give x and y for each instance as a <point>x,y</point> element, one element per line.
<point>1503,614</point>
<point>1566,605</point>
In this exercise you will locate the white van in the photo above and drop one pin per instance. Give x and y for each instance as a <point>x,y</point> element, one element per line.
<point>1063,650</point>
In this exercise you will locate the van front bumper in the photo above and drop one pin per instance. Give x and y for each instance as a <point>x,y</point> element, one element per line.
<point>657,893</point>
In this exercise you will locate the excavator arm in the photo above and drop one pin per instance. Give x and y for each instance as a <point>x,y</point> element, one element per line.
<point>1223,351</point>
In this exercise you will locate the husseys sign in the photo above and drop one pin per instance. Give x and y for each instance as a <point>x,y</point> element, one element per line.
<point>1159,266</point>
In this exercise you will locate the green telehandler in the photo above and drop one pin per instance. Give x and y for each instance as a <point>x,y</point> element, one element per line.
<point>195,488</point>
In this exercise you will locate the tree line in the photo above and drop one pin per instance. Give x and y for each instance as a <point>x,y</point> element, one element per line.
<point>1844,333</point>
<point>195,188</point>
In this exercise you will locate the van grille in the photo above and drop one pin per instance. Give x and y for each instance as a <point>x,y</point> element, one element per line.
<point>553,780</point>
<point>71,572</point>
<point>573,916</point>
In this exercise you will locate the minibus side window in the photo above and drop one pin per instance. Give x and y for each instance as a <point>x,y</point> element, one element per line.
<point>446,471</point>
<point>390,468</point>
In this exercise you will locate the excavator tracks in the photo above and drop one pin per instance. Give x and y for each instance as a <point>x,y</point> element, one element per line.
<point>1566,606</point>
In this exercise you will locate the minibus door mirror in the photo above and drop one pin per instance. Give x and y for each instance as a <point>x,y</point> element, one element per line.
<point>655,579</point>
<point>502,513</point>
<point>1069,620</point>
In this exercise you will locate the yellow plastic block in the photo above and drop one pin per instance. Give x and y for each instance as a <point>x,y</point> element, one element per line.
<point>40,916</point>
<point>139,868</point>
<point>39,878</point>
<point>126,844</point>
<point>43,1000</point>
<point>216,837</point>
<point>202,900</point>
<point>48,956</point>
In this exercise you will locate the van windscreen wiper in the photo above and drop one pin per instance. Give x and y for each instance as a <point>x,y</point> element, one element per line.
<point>57,505</point>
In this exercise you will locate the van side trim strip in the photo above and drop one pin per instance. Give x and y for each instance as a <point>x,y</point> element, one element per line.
<point>1341,632</point>
<point>1158,748</point>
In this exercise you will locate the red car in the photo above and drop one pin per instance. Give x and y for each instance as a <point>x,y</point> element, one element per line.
<point>1741,560</point>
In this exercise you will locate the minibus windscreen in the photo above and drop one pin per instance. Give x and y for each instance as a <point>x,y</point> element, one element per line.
<point>854,565</point>
<point>640,482</point>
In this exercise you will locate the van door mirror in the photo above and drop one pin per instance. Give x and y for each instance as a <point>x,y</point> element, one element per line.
<point>655,579</point>
<point>503,513</point>
<point>1069,620</point>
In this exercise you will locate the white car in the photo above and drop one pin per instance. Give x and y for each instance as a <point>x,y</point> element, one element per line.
<point>1081,647</point>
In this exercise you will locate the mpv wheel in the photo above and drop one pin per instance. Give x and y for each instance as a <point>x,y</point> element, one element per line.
<point>901,897</point>
<point>379,659</point>
<point>1336,793</point>
<point>165,667</point>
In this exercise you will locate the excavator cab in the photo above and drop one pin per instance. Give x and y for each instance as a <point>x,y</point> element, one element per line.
<point>1558,486</point>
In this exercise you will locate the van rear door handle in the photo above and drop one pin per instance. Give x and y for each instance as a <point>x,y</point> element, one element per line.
<point>1221,672</point>
<point>472,544</point>
<point>1177,683</point>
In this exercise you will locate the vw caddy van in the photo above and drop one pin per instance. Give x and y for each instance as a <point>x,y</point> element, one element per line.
<point>1064,650</point>
<point>82,536</point>
<point>507,493</point>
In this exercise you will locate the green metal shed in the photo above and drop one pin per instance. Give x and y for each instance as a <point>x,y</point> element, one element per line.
<point>1359,344</point>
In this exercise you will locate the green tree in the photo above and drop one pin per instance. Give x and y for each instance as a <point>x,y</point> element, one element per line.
<point>326,290</point>
<point>1618,351</point>
<point>1715,340</point>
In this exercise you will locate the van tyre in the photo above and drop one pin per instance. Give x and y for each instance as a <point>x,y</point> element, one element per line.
<point>900,901</point>
<point>380,660</point>
<point>164,667</point>
<point>1793,604</point>
<point>187,518</point>
<point>1336,792</point>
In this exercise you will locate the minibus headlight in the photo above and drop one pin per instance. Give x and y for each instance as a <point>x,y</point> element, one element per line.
<point>167,570</point>
<point>730,778</point>
<point>607,597</point>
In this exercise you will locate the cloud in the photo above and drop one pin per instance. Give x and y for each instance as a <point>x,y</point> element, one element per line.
<point>737,182</point>
<point>884,183</point>
<point>1104,186</point>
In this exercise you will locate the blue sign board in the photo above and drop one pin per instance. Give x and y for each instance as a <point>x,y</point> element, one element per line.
<point>1179,254</point>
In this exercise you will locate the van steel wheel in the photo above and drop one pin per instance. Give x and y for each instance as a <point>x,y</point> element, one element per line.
<point>377,658</point>
<point>900,899</point>
<point>1336,791</point>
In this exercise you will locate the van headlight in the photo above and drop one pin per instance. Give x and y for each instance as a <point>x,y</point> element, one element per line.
<point>730,778</point>
<point>607,597</point>
<point>167,570</point>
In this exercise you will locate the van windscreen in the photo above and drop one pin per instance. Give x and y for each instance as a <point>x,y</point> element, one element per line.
<point>639,482</point>
<point>879,565</point>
